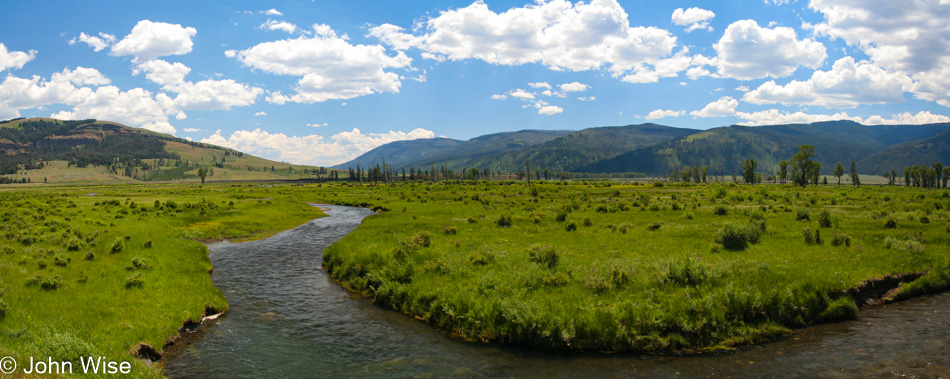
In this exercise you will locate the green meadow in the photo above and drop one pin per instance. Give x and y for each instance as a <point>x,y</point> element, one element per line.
<point>648,268</point>
<point>97,270</point>
<point>586,266</point>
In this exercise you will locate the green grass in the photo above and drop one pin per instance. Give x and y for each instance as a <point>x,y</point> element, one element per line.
<point>570,266</point>
<point>619,283</point>
<point>100,274</point>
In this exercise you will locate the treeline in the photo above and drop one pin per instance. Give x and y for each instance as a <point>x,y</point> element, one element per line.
<point>935,176</point>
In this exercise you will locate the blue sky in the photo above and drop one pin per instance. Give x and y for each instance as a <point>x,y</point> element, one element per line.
<point>320,82</point>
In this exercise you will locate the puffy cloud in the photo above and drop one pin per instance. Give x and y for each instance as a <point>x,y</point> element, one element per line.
<point>748,51</point>
<point>846,85</point>
<point>181,115</point>
<point>14,59</point>
<point>133,107</point>
<point>311,149</point>
<point>909,36</point>
<point>19,93</point>
<point>272,12</point>
<point>907,118</point>
<point>558,34</point>
<point>261,113</point>
<point>279,25</point>
<point>214,95</point>
<point>499,97</point>
<point>203,95</point>
<point>693,18</point>
<point>329,66</point>
<point>162,72</point>
<point>660,113</point>
<point>149,40</point>
<point>317,125</point>
<point>724,107</point>
<point>934,85</point>
<point>521,94</point>
<point>192,130</point>
<point>96,43</point>
<point>549,109</point>
<point>540,85</point>
<point>574,87</point>
<point>81,76</point>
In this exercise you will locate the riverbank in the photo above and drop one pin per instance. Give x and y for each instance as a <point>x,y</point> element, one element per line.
<point>104,270</point>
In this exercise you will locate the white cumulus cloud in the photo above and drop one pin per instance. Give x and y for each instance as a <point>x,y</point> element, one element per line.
<point>261,113</point>
<point>279,25</point>
<point>748,51</point>
<point>574,87</point>
<point>149,40</point>
<point>693,18</point>
<point>661,113</point>
<point>311,149</point>
<point>847,85</point>
<point>14,59</point>
<point>96,43</point>
<point>556,33</point>
<point>330,67</point>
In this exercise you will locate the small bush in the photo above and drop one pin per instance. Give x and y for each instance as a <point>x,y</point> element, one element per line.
<point>7,250</point>
<point>925,220</point>
<point>736,238</point>
<point>653,226</point>
<point>61,260</point>
<point>118,245</point>
<point>51,283</point>
<point>41,264</point>
<point>912,246</point>
<point>148,244</point>
<point>503,221</point>
<point>587,221</point>
<point>721,211</point>
<point>555,279</point>
<point>824,219</point>
<point>890,223</point>
<point>134,280</point>
<point>597,283</point>
<point>139,263</point>
<point>561,216</point>
<point>4,308</point>
<point>480,258</point>
<point>687,272</point>
<point>812,238</point>
<point>840,239</point>
<point>619,277</point>
<point>802,215</point>
<point>449,230</point>
<point>74,245</point>
<point>571,226</point>
<point>544,255</point>
<point>472,220</point>
<point>715,247</point>
<point>422,239</point>
<point>841,309</point>
<point>90,256</point>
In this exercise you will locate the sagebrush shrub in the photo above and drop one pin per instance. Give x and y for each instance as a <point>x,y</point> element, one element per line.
<point>544,255</point>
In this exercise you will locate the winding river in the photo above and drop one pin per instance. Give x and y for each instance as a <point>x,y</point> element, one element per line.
<point>288,318</point>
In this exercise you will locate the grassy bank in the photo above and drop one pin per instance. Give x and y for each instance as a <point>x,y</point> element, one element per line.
<point>96,270</point>
<point>636,268</point>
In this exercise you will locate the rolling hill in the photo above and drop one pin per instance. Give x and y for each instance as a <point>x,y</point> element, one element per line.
<point>724,149</point>
<point>924,151</point>
<point>56,151</point>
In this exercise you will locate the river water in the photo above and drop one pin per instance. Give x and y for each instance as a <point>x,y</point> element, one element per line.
<point>288,318</point>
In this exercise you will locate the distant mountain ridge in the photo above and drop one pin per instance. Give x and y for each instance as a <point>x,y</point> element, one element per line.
<point>658,150</point>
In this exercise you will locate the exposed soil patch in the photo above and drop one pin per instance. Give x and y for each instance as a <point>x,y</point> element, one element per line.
<point>877,291</point>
